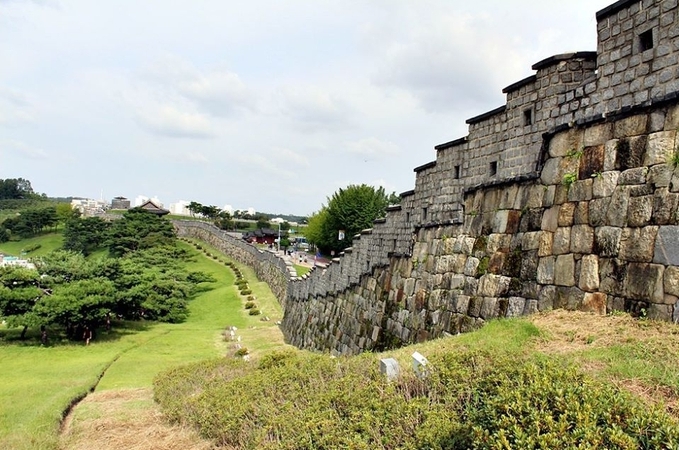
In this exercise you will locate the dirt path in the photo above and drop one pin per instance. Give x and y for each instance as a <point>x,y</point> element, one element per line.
<point>125,419</point>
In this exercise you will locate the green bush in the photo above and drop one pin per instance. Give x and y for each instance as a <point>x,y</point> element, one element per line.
<point>241,352</point>
<point>251,298</point>
<point>250,305</point>
<point>471,399</point>
<point>245,292</point>
<point>254,312</point>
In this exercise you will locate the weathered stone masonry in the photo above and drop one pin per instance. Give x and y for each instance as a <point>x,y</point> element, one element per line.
<point>564,197</point>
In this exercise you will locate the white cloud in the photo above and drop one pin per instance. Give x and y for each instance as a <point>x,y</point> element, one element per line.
<point>168,121</point>
<point>16,107</point>
<point>22,150</point>
<point>372,147</point>
<point>315,109</point>
<point>195,157</point>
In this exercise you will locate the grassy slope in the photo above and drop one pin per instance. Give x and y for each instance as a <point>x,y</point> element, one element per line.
<point>37,384</point>
<point>48,242</point>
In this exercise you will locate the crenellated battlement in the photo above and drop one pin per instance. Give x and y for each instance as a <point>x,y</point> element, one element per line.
<point>566,196</point>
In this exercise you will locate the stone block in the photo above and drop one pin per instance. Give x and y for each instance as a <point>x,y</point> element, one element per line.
<point>460,304</point>
<point>610,154</point>
<point>566,214</point>
<point>616,215</point>
<point>639,211</point>
<point>591,162</point>
<point>644,282</point>
<point>529,265</point>
<point>548,197</point>
<point>607,241</point>
<point>637,244</point>
<point>598,134</point>
<point>630,126</point>
<point>545,272</point>
<point>531,240</point>
<point>531,307</point>
<point>671,280</point>
<point>581,215</point>
<point>563,143</point>
<point>660,312</point>
<point>672,118</point>
<point>660,175</point>
<point>550,218</point>
<point>630,152</point>
<point>604,185</point>
<point>515,306</point>
<point>598,209</point>
<point>551,172</point>
<point>564,270</point>
<point>489,308</point>
<point>569,298</point>
<point>594,302</point>
<point>582,239</point>
<point>633,176</point>
<point>561,242</point>
<point>666,250</point>
<point>580,190</point>
<point>546,298</point>
<point>545,244</point>
<point>664,207</point>
<point>471,266</point>
<point>589,273</point>
<point>660,147</point>
<point>499,224</point>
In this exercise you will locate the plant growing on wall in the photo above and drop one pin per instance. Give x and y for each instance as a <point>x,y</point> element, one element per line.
<point>569,179</point>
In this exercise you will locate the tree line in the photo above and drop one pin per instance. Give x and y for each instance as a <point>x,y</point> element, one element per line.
<point>144,278</point>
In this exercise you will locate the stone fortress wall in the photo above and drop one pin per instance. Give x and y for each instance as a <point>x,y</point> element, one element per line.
<point>565,197</point>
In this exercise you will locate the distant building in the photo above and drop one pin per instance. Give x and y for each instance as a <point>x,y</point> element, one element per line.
<point>120,203</point>
<point>228,208</point>
<point>14,261</point>
<point>153,208</point>
<point>181,208</point>
<point>261,236</point>
<point>88,206</point>
<point>140,200</point>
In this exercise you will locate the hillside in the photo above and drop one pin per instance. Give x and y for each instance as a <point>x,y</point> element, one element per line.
<point>555,380</point>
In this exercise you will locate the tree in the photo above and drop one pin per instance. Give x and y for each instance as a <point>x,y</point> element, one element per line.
<point>20,289</point>
<point>210,212</point>
<point>263,223</point>
<point>349,211</point>
<point>194,208</point>
<point>224,221</point>
<point>79,304</point>
<point>139,229</point>
<point>85,235</point>
<point>66,212</point>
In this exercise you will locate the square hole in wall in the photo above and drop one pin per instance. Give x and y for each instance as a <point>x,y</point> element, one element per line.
<point>528,116</point>
<point>456,172</point>
<point>492,171</point>
<point>407,217</point>
<point>646,40</point>
<point>424,214</point>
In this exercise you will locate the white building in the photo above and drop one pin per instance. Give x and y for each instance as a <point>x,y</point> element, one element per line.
<point>180,208</point>
<point>228,208</point>
<point>88,206</point>
<point>14,261</point>
<point>140,200</point>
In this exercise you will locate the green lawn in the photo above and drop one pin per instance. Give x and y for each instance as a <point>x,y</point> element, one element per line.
<point>37,384</point>
<point>48,242</point>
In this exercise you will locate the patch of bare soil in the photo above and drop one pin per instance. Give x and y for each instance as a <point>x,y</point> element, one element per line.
<point>125,419</point>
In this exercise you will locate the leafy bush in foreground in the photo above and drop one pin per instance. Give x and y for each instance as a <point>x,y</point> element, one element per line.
<point>471,399</point>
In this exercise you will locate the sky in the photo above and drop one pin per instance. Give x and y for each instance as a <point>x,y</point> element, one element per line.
<point>267,104</point>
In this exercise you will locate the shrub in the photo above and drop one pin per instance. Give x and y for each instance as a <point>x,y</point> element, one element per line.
<point>471,399</point>
<point>254,312</point>
<point>32,248</point>
<point>245,292</point>
<point>241,352</point>
<point>251,298</point>
<point>250,305</point>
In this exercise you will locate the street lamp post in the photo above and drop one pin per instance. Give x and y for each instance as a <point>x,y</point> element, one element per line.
<point>279,237</point>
